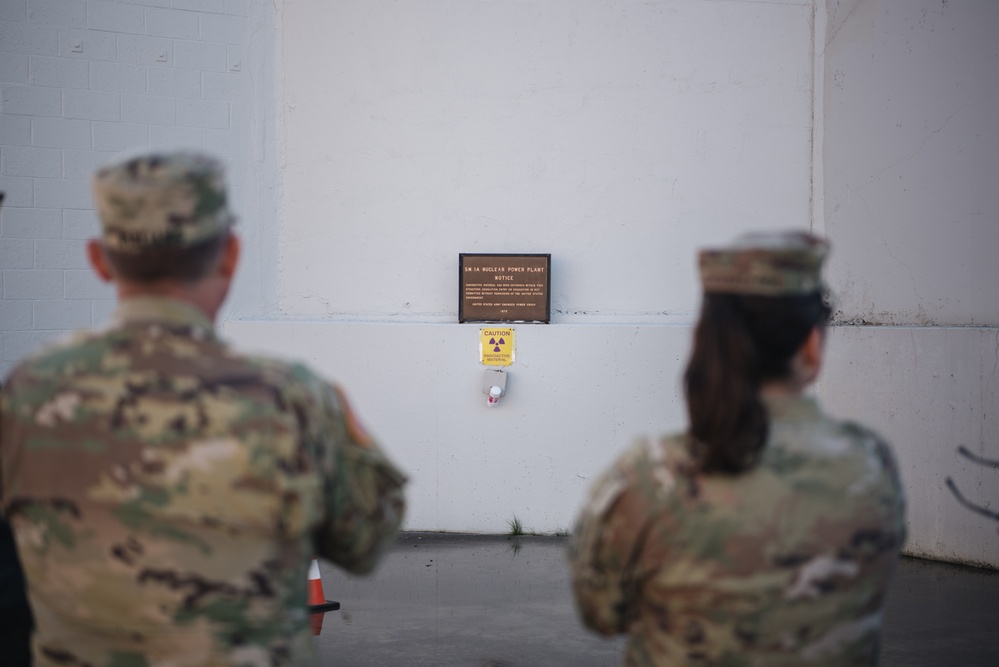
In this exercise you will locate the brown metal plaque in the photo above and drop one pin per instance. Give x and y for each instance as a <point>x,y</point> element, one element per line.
<point>504,288</point>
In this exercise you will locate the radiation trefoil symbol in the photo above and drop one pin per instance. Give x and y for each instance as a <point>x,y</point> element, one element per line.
<point>493,341</point>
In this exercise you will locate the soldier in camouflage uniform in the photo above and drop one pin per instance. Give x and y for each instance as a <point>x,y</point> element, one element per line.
<point>166,492</point>
<point>767,534</point>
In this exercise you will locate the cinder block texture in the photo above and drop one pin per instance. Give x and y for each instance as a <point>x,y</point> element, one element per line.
<point>20,191</point>
<point>116,17</point>
<point>59,72</point>
<point>15,315</point>
<point>27,161</point>
<point>204,56</point>
<point>117,77</point>
<point>60,133</point>
<point>30,223</point>
<point>32,284</point>
<point>102,310</point>
<point>223,86</point>
<point>172,23</point>
<point>84,284</point>
<point>31,101</point>
<point>15,130</point>
<point>28,38</point>
<point>17,254</point>
<point>175,137</point>
<point>79,225</point>
<point>19,344</point>
<point>14,10</point>
<point>141,50</point>
<point>88,105</point>
<point>63,193</point>
<point>148,109</point>
<point>120,136</point>
<point>60,254</point>
<point>62,314</point>
<point>174,82</point>
<point>88,45</point>
<point>66,13</point>
<point>237,7</point>
<point>225,29</point>
<point>213,6</point>
<point>82,164</point>
<point>14,68</point>
<point>202,113</point>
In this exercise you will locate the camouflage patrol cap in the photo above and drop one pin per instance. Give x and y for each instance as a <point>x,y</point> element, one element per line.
<point>160,199</point>
<point>765,264</point>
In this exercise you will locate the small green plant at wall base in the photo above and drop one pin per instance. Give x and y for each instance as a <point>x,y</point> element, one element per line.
<point>516,528</point>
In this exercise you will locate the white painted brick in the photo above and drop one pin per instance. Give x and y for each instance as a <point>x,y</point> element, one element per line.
<point>94,44</point>
<point>213,6</point>
<point>81,225</point>
<point>62,314</point>
<point>201,113</point>
<point>15,315</point>
<point>200,55</point>
<point>239,114</point>
<point>15,130</point>
<point>30,223</point>
<point>120,136</point>
<point>59,72</point>
<point>28,38</point>
<point>175,137</point>
<point>60,133</point>
<point>165,4</point>
<point>29,161</point>
<point>18,191</point>
<point>225,29</point>
<point>31,100</point>
<point>17,254</point>
<point>116,17</point>
<point>225,143</point>
<point>216,86</point>
<point>66,13</point>
<point>60,254</point>
<point>82,284</point>
<point>235,58</point>
<point>14,68</point>
<point>174,82</point>
<point>32,284</point>
<point>90,105</point>
<point>82,164</point>
<point>17,345</point>
<point>235,172</point>
<point>14,10</point>
<point>102,310</point>
<point>172,23</point>
<point>63,193</point>
<point>148,109</point>
<point>117,77</point>
<point>142,50</point>
<point>237,7</point>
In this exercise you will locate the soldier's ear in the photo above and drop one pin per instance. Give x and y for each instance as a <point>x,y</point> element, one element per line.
<point>99,261</point>
<point>230,256</point>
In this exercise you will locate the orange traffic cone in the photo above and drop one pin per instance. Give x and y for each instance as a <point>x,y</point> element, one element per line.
<point>317,599</point>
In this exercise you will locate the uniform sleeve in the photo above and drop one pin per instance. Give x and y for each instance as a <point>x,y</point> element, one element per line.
<point>364,496</point>
<point>605,551</point>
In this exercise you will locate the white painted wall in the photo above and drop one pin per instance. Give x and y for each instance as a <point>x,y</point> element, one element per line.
<point>911,162</point>
<point>372,141</point>
<point>81,80</point>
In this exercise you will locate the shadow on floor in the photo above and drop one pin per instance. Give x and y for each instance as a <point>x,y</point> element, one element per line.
<point>444,599</point>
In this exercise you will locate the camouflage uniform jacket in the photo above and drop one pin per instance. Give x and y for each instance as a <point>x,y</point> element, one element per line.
<point>167,495</point>
<point>786,564</point>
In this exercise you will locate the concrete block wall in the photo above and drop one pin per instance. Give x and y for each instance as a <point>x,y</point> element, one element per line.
<point>81,80</point>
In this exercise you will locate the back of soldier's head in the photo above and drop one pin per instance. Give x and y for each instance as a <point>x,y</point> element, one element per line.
<point>163,215</point>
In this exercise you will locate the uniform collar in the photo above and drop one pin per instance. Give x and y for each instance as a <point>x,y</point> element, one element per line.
<point>792,407</point>
<point>161,310</point>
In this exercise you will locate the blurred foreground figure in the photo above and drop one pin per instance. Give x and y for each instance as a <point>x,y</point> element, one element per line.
<point>167,493</point>
<point>767,534</point>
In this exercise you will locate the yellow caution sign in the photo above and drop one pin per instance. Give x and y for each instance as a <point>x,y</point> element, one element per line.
<point>496,347</point>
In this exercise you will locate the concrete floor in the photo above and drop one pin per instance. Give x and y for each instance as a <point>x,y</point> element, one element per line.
<point>442,600</point>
